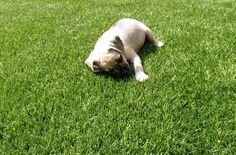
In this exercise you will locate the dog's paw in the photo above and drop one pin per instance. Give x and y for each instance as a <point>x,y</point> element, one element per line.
<point>141,77</point>
<point>159,44</point>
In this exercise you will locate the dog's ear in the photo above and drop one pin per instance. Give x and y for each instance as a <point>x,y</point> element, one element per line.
<point>117,44</point>
<point>93,65</point>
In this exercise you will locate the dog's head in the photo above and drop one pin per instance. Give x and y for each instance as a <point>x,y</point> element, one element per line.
<point>111,60</point>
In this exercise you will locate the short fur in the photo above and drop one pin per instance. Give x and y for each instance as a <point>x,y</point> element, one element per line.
<point>120,44</point>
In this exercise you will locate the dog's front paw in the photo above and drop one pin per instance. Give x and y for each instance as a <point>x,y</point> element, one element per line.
<point>141,76</point>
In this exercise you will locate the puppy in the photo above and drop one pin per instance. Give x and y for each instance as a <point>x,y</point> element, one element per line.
<point>118,46</point>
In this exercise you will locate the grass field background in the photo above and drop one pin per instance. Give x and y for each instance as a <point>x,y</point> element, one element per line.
<point>51,103</point>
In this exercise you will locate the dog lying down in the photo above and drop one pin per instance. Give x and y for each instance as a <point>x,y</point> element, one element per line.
<point>118,46</point>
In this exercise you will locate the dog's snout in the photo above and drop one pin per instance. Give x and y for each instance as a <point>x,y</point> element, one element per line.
<point>122,70</point>
<point>124,67</point>
<point>125,70</point>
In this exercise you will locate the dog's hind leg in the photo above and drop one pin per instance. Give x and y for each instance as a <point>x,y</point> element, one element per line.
<point>151,39</point>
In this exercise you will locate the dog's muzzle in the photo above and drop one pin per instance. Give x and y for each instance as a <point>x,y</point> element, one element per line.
<point>122,70</point>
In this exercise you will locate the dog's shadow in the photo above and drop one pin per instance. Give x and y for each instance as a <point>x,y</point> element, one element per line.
<point>143,53</point>
<point>146,50</point>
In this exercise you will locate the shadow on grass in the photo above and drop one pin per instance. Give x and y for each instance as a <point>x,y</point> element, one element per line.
<point>143,53</point>
<point>146,50</point>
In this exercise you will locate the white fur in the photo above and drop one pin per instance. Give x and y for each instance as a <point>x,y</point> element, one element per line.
<point>132,33</point>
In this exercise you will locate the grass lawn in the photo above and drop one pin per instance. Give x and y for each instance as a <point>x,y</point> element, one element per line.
<point>50,102</point>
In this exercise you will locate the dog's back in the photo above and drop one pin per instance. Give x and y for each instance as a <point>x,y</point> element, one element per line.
<point>131,32</point>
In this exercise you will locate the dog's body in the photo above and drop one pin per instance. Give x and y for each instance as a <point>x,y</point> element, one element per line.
<point>120,44</point>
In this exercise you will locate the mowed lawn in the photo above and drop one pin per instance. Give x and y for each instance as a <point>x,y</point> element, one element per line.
<point>50,102</point>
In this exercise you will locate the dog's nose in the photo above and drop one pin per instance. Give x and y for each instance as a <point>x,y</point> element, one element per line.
<point>125,70</point>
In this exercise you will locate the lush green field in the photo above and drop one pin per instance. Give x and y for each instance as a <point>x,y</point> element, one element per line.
<point>50,102</point>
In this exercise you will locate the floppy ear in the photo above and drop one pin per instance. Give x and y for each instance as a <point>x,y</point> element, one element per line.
<point>117,44</point>
<point>93,65</point>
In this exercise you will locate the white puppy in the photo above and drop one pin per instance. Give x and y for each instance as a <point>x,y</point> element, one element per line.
<point>120,44</point>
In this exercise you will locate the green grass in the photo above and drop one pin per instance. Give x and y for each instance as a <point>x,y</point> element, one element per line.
<point>51,103</point>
